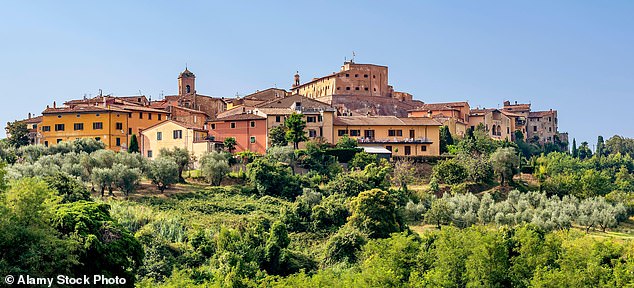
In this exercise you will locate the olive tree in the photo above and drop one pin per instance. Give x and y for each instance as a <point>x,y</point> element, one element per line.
<point>214,166</point>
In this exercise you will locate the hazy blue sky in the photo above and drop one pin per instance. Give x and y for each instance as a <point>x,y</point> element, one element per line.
<point>573,56</point>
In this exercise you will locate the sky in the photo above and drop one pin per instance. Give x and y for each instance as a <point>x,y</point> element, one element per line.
<point>573,56</point>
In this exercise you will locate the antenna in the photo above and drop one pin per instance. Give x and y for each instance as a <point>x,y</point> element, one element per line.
<point>352,60</point>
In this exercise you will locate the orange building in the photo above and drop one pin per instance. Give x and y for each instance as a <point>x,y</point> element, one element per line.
<point>249,130</point>
<point>454,115</point>
<point>113,122</point>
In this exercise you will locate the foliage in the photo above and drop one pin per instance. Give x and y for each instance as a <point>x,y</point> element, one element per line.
<point>505,163</point>
<point>584,151</point>
<point>18,134</point>
<point>67,186</point>
<point>315,158</point>
<point>375,212</point>
<point>618,144</point>
<point>230,144</point>
<point>180,156</point>
<point>344,245</point>
<point>126,178</point>
<point>277,136</point>
<point>450,172</point>
<point>445,139</point>
<point>134,144</point>
<point>214,166</point>
<point>163,172</point>
<point>295,126</point>
<point>273,178</point>
<point>362,159</point>
<point>346,142</point>
<point>284,154</point>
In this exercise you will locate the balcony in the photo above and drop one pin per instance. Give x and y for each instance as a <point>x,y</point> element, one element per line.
<point>394,140</point>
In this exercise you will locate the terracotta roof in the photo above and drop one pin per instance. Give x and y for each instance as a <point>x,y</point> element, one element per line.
<point>184,125</point>
<point>384,121</point>
<point>275,111</point>
<point>137,108</point>
<point>237,117</point>
<point>517,107</point>
<point>175,97</point>
<point>32,120</point>
<point>507,113</point>
<point>537,114</point>
<point>189,110</point>
<point>440,106</point>
<point>289,101</point>
<point>335,74</point>
<point>266,95</point>
<point>186,73</point>
<point>479,112</point>
<point>82,109</point>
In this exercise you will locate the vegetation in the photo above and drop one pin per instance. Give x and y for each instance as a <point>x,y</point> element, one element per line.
<point>295,129</point>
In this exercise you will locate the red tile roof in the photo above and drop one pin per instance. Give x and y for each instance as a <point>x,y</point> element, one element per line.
<point>384,121</point>
<point>238,117</point>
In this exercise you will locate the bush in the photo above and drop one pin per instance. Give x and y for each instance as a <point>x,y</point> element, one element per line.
<point>214,166</point>
<point>375,213</point>
<point>344,245</point>
<point>163,172</point>
<point>450,172</point>
<point>273,178</point>
<point>362,159</point>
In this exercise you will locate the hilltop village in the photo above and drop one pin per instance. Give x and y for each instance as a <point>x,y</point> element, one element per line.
<point>356,102</point>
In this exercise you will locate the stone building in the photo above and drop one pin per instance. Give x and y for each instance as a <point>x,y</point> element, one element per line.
<point>454,115</point>
<point>496,124</point>
<point>188,97</point>
<point>357,89</point>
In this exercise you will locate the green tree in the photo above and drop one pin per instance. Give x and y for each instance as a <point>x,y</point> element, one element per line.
<point>375,212</point>
<point>126,178</point>
<point>344,245</point>
<point>439,213</point>
<point>18,134</point>
<point>103,178</point>
<point>619,144</point>
<point>277,136</point>
<point>134,145</point>
<point>575,153</point>
<point>273,178</point>
<point>70,188</point>
<point>445,139</point>
<point>230,144</point>
<point>584,151</point>
<point>505,162</point>
<point>163,172</point>
<point>362,159</point>
<point>346,142</point>
<point>182,158</point>
<point>214,166</point>
<point>600,150</point>
<point>295,126</point>
<point>450,172</point>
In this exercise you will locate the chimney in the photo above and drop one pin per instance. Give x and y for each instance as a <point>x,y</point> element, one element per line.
<point>29,115</point>
<point>54,104</point>
<point>104,101</point>
<point>515,102</point>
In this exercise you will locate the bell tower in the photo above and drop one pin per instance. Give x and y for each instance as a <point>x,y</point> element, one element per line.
<point>186,83</point>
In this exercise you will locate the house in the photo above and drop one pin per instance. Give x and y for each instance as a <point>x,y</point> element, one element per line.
<point>404,136</point>
<point>496,124</point>
<point>454,115</point>
<point>169,134</point>
<point>249,130</point>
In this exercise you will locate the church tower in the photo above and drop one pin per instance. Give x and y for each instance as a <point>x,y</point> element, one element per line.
<point>186,83</point>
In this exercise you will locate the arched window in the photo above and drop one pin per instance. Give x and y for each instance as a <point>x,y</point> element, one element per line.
<point>493,130</point>
<point>188,89</point>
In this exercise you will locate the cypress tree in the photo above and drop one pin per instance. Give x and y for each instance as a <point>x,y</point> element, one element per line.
<point>600,147</point>
<point>575,153</point>
<point>134,145</point>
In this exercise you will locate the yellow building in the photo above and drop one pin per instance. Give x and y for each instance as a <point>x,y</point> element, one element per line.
<point>169,134</point>
<point>113,124</point>
<point>413,136</point>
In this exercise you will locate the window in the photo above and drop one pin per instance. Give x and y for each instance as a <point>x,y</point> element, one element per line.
<point>149,116</point>
<point>338,88</point>
<point>347,75</point>
<point>373,76</point>
<point>408,150</point>
<point>388,148</point>
<point>149,153</point>
<point>119,126</point>
<point>252,123</point>
<point>277,118</point>
<point>98,138</point>
<point>45,143</point>
<point>374,89</point>
<point>356,88</point>
<point>311,119</point>
<point>78,126</point>
<point>365,75</point>
<point>159,136</point>
<point>252,139</point>
<point>550,119</point>
<point>130,115</point>
<point>59,127</point>
<point>59,141</point>
<point>97,125</point>
<point>118,142</point>
<point>423,148</point>
<point>140,115</point>
<point>233,125</point>
<point>97,114</point>
<point>534,128</point>
<point>347,88</point>
<point>213,126</point>
<point>78,115</point>
<point>366,89</point>
<point>160,116</point>
<point>550,129</point>
<point>355,132</point>
<point>320,118</point>
<point>356,75</point>
<point>178,134</point>
<point>188,89</point>
<point>129,131</point>
<point>508,130</point>
<point>393,133</point>
<point>59,116</point>
<point>312,133</point>
<point>341,132</point>
<point>46,128</point>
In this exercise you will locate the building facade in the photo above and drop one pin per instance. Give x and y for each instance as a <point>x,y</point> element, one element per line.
<point>249,130</point>
<point>496,124</point>
<point>411,136</point>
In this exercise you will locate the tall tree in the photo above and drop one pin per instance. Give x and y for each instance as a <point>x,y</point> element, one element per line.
<point>505,162</point>
<point>295,133</point>
<point>18,134</point>
<point>575,153</point>
<point>445,139</point>
<point>182,157</point>
<point>277,136</point>
<point>134,145</point>
<point>584,151</point>
<point>600,150</point>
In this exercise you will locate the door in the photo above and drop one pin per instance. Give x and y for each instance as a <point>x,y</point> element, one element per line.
<point>408,150</point>
<point>412,134</point>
